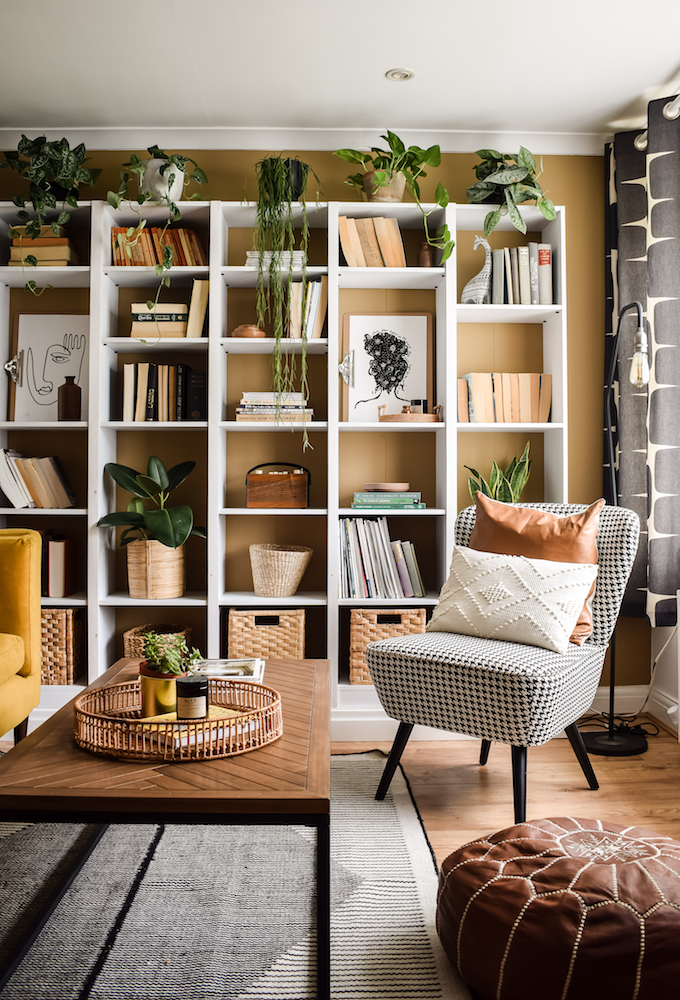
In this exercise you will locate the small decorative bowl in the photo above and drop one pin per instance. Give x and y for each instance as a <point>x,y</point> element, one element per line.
<point>248,330</point>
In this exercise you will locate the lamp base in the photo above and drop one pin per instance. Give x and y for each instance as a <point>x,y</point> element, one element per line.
<point>622,742</point>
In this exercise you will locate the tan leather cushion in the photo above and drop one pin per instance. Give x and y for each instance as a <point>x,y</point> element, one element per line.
<point>12,655</point>
<point>538,534</point>
<point>564,909</point>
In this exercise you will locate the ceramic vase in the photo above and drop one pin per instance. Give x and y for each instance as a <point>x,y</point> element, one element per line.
<point>394,191</point>
<point>155,183</point>
<point>69,399</point>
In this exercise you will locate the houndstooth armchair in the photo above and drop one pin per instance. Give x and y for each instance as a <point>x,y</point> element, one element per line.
<point>506,691</point>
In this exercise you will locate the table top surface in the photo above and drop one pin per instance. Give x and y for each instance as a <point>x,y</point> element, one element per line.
<point>48,776</point>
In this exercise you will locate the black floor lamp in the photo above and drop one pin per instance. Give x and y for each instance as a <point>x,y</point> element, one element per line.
<point>620,741</point>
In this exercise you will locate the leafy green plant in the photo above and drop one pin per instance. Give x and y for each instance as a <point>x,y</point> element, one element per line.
<point>281,181</point>
<point>170,526</point>
<point>505,486</point>
<point>54,172</point>
<point>410,162</point>
<point>137,168</point>
<point>169,654</point>
<point>509,179</point>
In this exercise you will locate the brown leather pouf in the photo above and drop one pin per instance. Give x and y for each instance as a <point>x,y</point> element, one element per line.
<point>564,909</point>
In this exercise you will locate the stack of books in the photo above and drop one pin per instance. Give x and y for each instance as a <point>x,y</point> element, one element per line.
<point>274,407</point>
<point>522,275</point>
<point>146,248</point>
<point>505,397</point>
<point>173,319</point>
<point>374,566</point>
<point>288,260</point>
<point>49,249</point>
<point>162,392</point>
<point>33,482</point>
<point>383,500</point>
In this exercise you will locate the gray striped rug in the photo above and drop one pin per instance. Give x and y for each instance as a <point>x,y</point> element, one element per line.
<point>226,912</point>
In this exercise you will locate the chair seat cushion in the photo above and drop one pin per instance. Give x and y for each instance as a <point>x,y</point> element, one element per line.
<point>502,691</point>
<point>12,655</point>
<point>564,909</point>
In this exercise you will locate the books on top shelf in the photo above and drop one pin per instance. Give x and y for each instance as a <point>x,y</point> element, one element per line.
<point>34,482</point>
<point>273,407</point>
<point>522,275</point>
<point>371,242</point>
<point>160,392</point>
<point>382,500</point>
<point>505,397</point>
<point>146,249</point>
<point>372,565</point>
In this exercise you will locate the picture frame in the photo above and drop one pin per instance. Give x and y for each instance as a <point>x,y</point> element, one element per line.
<point>50,347</point>
<point>390,368</point>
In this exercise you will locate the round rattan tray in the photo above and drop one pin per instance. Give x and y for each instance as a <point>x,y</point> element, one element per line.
<point>108,721</point>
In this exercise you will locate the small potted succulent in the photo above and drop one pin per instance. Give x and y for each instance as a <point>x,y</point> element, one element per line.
<point>166,657</point>
<point>504,486</point>
<point>154,536</point>
<point>508,180</point>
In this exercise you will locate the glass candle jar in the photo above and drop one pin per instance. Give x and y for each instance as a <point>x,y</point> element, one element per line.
<point>192,697</point>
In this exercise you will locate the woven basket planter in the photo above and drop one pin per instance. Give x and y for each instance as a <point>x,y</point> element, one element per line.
<point>133,639</point>
<point>278,569</point>
<point>265,633</point>
<point>370,625</point>
<point>155,571</point>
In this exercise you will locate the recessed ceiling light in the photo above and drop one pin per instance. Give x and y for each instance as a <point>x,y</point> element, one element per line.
<point>399,75</point>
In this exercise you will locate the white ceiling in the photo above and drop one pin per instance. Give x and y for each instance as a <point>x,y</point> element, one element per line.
<point>309,74</point>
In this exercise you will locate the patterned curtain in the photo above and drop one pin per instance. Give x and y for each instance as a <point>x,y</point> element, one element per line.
<point>642,234</point>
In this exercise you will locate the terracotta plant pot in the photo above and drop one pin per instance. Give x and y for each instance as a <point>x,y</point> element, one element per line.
<point>155,571</point>
<point>394,191</point>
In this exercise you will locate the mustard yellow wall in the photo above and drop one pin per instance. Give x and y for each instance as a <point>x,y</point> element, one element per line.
<point>573,181</point>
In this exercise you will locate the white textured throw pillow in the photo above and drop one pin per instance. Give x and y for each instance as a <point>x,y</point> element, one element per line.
<point>534,601</point>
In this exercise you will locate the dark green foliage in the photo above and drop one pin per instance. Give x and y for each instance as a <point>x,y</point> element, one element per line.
<point>505,486</point>
<point>169,654</point>
<point>509,180</point>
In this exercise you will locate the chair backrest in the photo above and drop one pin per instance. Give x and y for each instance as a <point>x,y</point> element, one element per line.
<point>617,543</point>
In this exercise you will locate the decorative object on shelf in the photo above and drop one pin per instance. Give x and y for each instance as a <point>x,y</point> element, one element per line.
<point>504,486</point>
<point>242,716</point>
<point>509,180</point>
<point>69,396</point>
<point>247,330</point>
<point>373,624</point>
<point>278,569</point>
<point>156,558</point>
<point>381,181</point>
<point>387,487</point>
<point>48,348</point>
<point>167,176</point>
<point>390,363</point>
<point>268,633</point>
<point>407,416</point>
<point>425,255</point>
<point>478,289</point>
<point>55,173</point>
<point>166,657</point>
<point>280,488</point>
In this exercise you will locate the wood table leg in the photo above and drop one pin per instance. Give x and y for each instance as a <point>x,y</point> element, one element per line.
<point>323,909</point>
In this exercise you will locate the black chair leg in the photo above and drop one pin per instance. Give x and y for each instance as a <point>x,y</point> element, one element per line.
<point>484,751</point>
<point>400,741</point>
<point>579,749</point>
<point>519,782</point>
<point>20,731</point>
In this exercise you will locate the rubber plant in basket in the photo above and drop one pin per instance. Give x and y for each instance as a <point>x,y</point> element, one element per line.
<point>166,657</point>
<point>154,536</point>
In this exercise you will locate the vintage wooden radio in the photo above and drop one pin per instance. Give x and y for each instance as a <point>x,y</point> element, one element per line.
<point>277,487</point>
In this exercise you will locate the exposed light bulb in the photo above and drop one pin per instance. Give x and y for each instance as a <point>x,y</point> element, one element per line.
<point>639,368</point>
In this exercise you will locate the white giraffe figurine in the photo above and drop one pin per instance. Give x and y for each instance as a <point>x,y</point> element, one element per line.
<point>478,289</point>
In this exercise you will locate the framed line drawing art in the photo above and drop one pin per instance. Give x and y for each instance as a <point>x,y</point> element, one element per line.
<point>49,347</point>
<point>388,361</point>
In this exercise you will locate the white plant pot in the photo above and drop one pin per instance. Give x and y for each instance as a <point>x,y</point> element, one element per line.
<point>156,184</point>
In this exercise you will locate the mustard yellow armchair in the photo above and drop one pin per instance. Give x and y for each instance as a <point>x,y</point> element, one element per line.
<point>20,646</point>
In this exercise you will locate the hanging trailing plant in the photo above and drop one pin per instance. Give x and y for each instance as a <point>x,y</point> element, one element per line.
<point>509,179</point>
<point>282,181</point>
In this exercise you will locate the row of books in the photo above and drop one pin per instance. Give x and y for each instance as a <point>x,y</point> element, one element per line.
<point>504,397</point>
<point>372,242</point>
<point>33,482</point>
<point>274,407</point>
<point>372,565</point>
<point>172,319</point>
<point>50,249</point>
<point>58,570</point>
<point>522,275</point>
<point>381,500</point>
<point>316,308</point>
<point>153,392</point>
<point>145,248</point>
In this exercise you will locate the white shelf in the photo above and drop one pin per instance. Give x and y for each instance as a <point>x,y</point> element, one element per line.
<point>485,428</point>
<point>384,602</point>
<point>269,511</point>
<point>123,600</point>
<point>393,426</point>
<point>45,511</point>
<point>78,600</point>
<point>390,277</point>
<point>43,425</point>
<point>265,345</point>
<point>155,425</point>
<point>505,313</point>
<point>246,277</point>
<point>135,345</point>
<point>378,512</point>
<point>146,277</point>
<point>250,599</point>
<point>58,277</point>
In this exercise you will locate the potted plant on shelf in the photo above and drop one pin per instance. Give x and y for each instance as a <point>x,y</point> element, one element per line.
<point>388,172</point>
<point>166,657</point>
<point>55,173</point>
<point>281,182</point>
<point>161,180</point>
<point>505,486</point>
<point>508,180</point>
<point>154,536</point>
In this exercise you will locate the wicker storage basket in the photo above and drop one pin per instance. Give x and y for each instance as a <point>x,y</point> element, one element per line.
<point>369,625</point>
<point>133,639</point>
<point>278,569</point>
<point>269,634</point>
<point>155,571</point>
<point>62,635</point>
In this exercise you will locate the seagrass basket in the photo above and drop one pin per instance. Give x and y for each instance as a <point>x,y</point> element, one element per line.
<point>372,624</point>
<point>278,569</point>
<point>133,639</point>
<point>155,571</point>
<point>63,641</point>
<point>265,633</point>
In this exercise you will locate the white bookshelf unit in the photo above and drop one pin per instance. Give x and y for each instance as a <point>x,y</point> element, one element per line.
<point>218,571</point>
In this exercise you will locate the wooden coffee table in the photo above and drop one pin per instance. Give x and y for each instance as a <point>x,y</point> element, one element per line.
<point>47,778</point>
